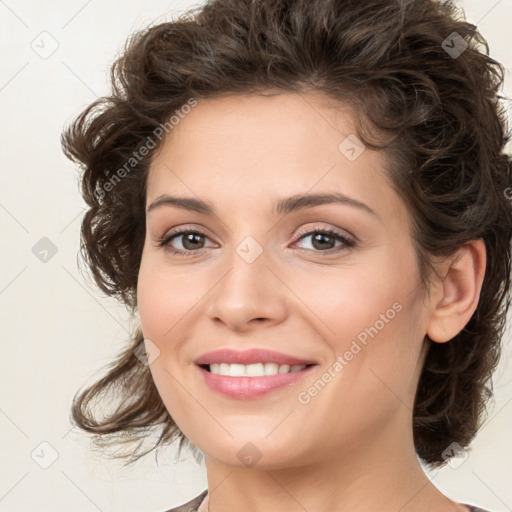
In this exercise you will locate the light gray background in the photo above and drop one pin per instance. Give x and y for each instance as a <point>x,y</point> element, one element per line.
<point>58,331</point>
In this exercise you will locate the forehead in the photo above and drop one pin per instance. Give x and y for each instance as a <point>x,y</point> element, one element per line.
<point>246,148</point>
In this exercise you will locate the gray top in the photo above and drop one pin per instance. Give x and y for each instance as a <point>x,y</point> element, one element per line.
<point>193,505</point>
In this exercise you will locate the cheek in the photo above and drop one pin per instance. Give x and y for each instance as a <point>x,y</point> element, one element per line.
<point>355,300</point>
<point>378,365</point>
<point>164,296</point>
<point>375,316</point>
<point>152,301</point>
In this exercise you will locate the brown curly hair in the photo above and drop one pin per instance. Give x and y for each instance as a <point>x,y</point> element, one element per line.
<point>439,121</point>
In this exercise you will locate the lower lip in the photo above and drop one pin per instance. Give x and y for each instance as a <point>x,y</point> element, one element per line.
<point>244,388</point>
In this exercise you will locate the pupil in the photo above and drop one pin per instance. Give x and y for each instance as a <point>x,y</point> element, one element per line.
<point>191,238</point>
<point>320,237</point>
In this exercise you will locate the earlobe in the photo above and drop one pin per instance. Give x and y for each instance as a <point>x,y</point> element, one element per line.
<point>461,288</point>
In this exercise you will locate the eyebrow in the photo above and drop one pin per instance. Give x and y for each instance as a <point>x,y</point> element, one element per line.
<point>282,206</point>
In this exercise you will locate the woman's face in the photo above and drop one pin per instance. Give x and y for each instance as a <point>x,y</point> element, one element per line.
<point>259,277</point>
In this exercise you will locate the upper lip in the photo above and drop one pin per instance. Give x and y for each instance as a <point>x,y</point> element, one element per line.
<point>250,356</point>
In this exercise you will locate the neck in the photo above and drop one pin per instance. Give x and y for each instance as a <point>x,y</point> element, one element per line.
<point>381,472</point>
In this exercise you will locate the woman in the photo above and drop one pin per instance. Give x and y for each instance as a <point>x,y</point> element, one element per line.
<point>304,204</point>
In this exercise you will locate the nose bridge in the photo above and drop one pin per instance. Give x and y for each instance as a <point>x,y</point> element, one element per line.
<point>248,291</point>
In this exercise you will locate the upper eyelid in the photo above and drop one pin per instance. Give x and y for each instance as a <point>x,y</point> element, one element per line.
<point>181,230</point>
<point>204,231</point>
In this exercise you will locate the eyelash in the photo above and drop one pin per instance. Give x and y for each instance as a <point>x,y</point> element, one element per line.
<point>166,239</point>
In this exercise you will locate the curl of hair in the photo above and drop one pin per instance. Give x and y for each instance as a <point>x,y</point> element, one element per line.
<point>437,118</point>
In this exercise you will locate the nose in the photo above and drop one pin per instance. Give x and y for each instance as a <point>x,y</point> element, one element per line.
<point>249,295</point>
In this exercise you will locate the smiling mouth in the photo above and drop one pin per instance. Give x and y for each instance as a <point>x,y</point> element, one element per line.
<point>252,381</point>
<point>252,370</point>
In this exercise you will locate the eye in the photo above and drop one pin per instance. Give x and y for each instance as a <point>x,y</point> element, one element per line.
<point>192,240</point>
<point>324,240</point>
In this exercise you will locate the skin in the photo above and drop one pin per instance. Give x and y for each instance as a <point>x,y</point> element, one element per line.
<point>350,447</point>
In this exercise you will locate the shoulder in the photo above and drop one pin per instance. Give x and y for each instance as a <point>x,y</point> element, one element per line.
<point>190,506</point>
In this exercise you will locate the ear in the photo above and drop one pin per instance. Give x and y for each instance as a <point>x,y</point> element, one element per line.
<point>461,288</point>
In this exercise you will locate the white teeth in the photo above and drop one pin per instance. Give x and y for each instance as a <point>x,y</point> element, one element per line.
<point>253,370</point>
<point>235,370</point>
